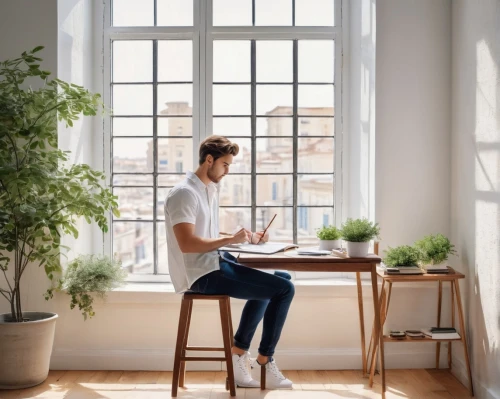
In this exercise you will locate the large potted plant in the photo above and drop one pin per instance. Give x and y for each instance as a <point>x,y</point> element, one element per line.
<point>329,237</point>
<point>357,233</point>
<point>41,199</point>
<point>402,256</point>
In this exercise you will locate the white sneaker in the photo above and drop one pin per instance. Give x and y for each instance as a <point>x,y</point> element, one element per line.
<point>274,378</point>
<point>242,375</point>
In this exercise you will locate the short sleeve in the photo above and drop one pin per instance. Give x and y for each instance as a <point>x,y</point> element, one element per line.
<point>182,207</point>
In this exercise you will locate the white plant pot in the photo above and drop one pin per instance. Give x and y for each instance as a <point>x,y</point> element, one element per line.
<point>357,249</point>
<point>25,349</point>
<point>329,244</point>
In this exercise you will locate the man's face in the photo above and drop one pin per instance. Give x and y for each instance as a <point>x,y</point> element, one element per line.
<point>220,168</point>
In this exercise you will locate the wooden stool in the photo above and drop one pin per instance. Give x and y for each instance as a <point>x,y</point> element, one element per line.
<point>182,341</point>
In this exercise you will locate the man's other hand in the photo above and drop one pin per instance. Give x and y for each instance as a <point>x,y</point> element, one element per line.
<point>256,237</point>
<point>241,237</point>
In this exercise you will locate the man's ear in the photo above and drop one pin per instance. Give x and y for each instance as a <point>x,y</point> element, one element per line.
<point>209,159</point>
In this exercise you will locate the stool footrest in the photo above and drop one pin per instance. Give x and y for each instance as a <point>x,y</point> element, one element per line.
<point>204,348</point>
<point>202,359</point>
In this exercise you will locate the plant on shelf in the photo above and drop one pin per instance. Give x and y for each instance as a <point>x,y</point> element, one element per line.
<point>404,255</point>
<point>42,196</point>
<point>358,233</point>
<point>434,249</point>
<point>329,237</point>
<point>90,274</point>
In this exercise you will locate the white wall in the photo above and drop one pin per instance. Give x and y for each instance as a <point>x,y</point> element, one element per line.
<point>475,216</point>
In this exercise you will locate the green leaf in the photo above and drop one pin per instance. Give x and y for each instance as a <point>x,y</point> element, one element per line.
<point>37,49</point>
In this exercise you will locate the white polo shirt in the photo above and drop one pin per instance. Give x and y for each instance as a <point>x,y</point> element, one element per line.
<point>193,202</point>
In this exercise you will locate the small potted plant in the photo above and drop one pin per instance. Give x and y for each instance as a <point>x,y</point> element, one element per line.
<point>357,233</point>
<point>434,250</point>
<point>402,256</point>
<point>329,237</point>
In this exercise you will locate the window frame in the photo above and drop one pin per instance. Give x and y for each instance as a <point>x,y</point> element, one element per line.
<point>203,34</point>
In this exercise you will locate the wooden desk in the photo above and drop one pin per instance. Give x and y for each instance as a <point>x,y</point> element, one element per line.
<point>385,297</point>
<point>300,263</point>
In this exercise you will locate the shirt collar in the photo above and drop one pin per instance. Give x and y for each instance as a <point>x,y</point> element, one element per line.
<point>196,180</point>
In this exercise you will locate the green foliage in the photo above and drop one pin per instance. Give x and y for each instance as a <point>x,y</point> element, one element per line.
<point>403,255</point>
<point>90,274</point>
<point>434,249</point>
<point>328,233</point>
<point>41,196</point>
<point>359,230</point>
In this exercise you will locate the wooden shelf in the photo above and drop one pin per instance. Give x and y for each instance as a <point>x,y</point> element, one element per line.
<point>426,339</point>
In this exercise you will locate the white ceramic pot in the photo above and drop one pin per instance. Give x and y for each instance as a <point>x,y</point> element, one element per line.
<point>329,244</point>
<point>357,249</point>
<point>25,349</point>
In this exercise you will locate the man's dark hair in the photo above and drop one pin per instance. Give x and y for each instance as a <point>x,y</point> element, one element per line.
<point>217,146</point>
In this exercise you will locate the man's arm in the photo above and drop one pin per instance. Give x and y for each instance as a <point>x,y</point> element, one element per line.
<point>191,243</point>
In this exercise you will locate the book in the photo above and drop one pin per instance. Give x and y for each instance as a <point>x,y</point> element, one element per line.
<point>404,270</point>
<point>440,335</point>
<point>313,251</point>
<point>267,248</point>
<point>415,334</point>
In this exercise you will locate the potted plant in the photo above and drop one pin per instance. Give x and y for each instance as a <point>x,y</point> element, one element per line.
<point>41,198</point>
<point>404,255</point>
<point>329,237</point>
<point>434,250</point>
<point>357,233</point>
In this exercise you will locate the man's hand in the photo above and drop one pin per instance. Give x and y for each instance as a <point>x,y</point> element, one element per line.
<point>256,237</point>
<point>241,236</point>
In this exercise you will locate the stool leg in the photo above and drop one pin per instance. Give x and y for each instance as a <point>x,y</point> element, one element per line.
<point>224,307</point>
<point>263,376</point>
<point>181,331</point>
<point>182,375</point>
<point>440,301</point>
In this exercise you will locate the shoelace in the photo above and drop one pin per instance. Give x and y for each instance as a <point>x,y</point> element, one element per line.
<point>243,363</point>
<point>273,368</point>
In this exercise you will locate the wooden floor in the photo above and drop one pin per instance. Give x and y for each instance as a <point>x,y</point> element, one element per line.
<point>407,384</point>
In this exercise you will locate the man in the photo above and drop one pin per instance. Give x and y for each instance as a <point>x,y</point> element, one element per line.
<point>192,224</point>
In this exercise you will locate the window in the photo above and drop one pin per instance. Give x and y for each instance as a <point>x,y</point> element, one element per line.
<point>261,73</point>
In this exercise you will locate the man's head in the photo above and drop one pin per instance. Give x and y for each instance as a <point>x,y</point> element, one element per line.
<point>216,154</point>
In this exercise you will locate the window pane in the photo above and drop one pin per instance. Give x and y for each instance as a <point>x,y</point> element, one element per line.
<point>132,100</point>
<point>273,13</point>
<point>274,126</point>
<point>275,155</point>
<point>235,190</point>
<point>274,100</point>
<point>231,126</point>
<point>315,190</point>
<point>132,180</point>
<point>174,12</point>
<point>232,12</point>
<point>274,61</point>
<point>231,218</point>
<point>282,228</point>
<point>316,60</point>
<point>309,220</point>
<point>176,98</point>
<point>314,12</point>
<point>315,155</point>
<point>135,203</point>
<point>132,155</point>
<point>162,249</point>
<point>175,61</point>
<point>231,61</point>
<point>169,181</point>
<point>132,61</point>
<point>175,127</point>
<point>317,126</point>
<point>231,99</point>
<point>133,13</point>
<point>175,155</point>
<point>132,126</point>
<point>242,162</point>
<point>274,190</point>
<point>161,193</point>
<point>133,246</point>
<point>315,96</point>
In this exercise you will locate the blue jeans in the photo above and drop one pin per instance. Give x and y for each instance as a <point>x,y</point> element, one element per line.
<point>269,296</point>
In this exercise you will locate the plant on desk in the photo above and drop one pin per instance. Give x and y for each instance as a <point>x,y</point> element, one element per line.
<point>329,237</point>
<point>404,255</point>
<point>434,249</point>
<point>358,233</point>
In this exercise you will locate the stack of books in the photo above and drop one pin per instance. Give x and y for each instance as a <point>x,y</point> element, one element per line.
<point>415,334</point>
<point>403,270</point>
<point>441,333</point>
<point>434,269</point>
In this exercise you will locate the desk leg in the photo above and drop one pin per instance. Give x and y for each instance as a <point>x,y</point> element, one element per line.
<point>440,300</point>
<point>378,334</point>
<point>361,321</point>
<point>462,331</point>
<point>452,320</point>
<point>384,301</point>
<point>373,341</point>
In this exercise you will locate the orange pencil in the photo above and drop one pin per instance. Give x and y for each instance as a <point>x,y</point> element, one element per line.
<point>265,230</point>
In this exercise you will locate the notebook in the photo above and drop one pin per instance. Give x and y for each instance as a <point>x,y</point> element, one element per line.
<point>266,248</point>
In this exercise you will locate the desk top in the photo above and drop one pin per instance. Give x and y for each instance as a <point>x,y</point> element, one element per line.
<point>289,260</point>
<point>452,275</point>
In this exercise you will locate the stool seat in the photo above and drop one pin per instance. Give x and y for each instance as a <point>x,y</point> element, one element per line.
<point>182,346</point>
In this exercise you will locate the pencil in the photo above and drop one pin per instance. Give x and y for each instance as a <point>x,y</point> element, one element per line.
<point>265,230</point>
